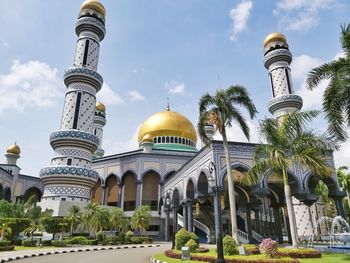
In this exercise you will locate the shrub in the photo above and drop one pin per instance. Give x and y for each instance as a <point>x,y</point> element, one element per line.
<point>122,237</point>
<point>59,243</point>
<point>147,240</point>
<point>230,246</point>
<point>136,240</point>
<point>181,238</point>
<point>77,240</point>
<point>100,235</point>
<point>16,242</point>
<point>29,243</point>
<point>17,225</point>
<point>194,237</point>
<point>5,243</point>
<point>269,247</point>
<point>192,245</point>
<point>128,236</point>
<point>46,242</point>
<point>113,240</point>
<point>299,253</point>
<point>90,242</point>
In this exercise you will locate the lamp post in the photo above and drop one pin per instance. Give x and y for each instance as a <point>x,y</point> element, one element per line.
<point>213,183</point>
<point>167,211</point>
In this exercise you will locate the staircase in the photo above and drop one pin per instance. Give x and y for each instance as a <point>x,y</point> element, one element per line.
<point>196,224</point>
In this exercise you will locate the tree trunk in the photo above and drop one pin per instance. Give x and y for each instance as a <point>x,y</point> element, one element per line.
<point>291,215</point>
<point>231,189</point>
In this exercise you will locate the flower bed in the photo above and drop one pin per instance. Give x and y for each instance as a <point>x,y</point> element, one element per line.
<point>232,259</point>
<point>299,253</point>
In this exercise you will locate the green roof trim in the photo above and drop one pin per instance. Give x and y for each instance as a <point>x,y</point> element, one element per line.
<point>174,147</point>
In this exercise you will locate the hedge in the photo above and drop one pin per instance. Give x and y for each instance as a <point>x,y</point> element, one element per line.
<point>299,253</point>
<point>5,245</point>
<point>29,243</point>
<point>59,243</point>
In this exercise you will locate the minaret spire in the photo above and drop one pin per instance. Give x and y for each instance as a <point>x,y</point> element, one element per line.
<point>277,59</point>
<point>69,179</point>
<point>168,105</point>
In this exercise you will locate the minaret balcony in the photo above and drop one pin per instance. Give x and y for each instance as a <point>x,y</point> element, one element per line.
<point>85,75</point>
<point>88,23</point>
<point>74,138</point>
<point>277,55</point>
<point>285,101</point>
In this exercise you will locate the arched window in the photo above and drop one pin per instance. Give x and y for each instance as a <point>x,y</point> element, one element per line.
<point>163,139</point>
<point>167,139</point>
<point>154,140</point>
<point>159,140</point>
<point>175,139</point>
<point>171,139</point>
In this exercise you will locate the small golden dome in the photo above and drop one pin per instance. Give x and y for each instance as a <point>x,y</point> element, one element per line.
<point>147,138</point>
<point>275,36</point>
<point>100,107</point>
<point>94,5</point>
<point>14,149</point>
<point>168,123</point>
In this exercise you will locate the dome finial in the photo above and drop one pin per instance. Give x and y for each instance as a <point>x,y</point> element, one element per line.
<point>168,106</point>
<point>14,149</point>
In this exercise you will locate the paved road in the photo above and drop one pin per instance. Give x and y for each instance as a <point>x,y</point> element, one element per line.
<point>131,255</point>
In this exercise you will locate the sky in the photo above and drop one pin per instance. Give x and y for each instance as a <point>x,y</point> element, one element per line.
<point>154,49</point>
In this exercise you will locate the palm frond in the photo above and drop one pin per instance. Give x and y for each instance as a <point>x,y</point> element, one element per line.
<point>345,39</point>
<point>322,72</point>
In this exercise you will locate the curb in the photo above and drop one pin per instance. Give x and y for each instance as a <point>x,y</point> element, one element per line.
<point>153,260</point>
<point>71,250</point>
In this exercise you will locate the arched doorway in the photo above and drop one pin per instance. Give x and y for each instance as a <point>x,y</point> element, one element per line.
<point>96,196</point>
<point>7,194</point>
<point>1,192</point>
<point>150,190</point>
<point>33,191</point>
<point>129,184</point>
<point>112,190</point>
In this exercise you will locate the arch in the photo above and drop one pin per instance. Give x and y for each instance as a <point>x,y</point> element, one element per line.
<point>310,181</point>
<point>122,179</point>
<point>7,194</point>
<point>32,191</point>
<point>203,187</point>
<point>129,185</point>
<point>112,185</point>
<point>176,198</point>
<point>148,171</point>
<point>96,192</point>
<point>190,189</point>
<point>150,189</point>
<point>168,175</point>
<point>238,166</point>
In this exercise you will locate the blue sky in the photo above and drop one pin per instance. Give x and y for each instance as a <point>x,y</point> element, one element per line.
<point>152,50</point>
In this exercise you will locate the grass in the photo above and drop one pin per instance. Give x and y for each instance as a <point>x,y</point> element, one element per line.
<point>21,248</point>
<point>162,257</point>
<point>328,257</point>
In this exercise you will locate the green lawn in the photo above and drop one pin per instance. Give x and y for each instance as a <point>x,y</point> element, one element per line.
<point>162,257</point>
<point>20,248</point>
<point>326,257</point>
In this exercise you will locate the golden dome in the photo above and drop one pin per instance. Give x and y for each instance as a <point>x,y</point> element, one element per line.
<point>100,107</point>
<point>94,5</point>
<point>168,123</point>
<point>147,138</point>
<point>14,149</point>
<point>275,36</point>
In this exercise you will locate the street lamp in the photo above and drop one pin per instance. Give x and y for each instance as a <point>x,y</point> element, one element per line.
<point>213,183</point>
<point>167,211</point>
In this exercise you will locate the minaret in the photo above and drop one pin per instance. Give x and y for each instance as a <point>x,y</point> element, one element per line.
<point>99,123</point>
<point>277,59</point>
<point>69,179</point>
<point>12,155</point>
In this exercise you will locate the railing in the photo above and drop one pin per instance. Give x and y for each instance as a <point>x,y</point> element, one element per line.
<point>242,236</point>
<point>257,236</point>
<point>197,224</point>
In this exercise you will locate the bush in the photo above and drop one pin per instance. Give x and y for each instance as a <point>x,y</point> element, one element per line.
<point>90,242</point>
<point>194,237</point>
<point>268,247</point>
<point>299,253</point>
<point>192,245</point>
<point>77,240</point>
<point>128,236</point>
<point>17,225</point>
<point>230,246</point>
<point>181,238</point>
<point>100,236</point>
<point>122,237</point>
<point>29,243</point>
<point>136,240</point>
<point>113,240</point>
<point>16,242</point>
<point>5,243</point>
<point>46,242</point>
<point>59,243</point>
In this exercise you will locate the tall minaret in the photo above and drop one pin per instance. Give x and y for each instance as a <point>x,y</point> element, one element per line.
<point>69,179</point>
<point>99,123</point>
<point>277,59</point>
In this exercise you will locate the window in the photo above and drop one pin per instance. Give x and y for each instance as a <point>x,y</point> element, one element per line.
<point>69,162</point>
<point>167,139</point>
<point>171,139</point>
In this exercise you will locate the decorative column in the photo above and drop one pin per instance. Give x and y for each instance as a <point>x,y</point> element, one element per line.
<point>340,207</point>
<point>278,224</point>
<point>138,193</point>
<point>166,230</point>
<point>99,123</point>
<point>185,216</point>
<point>175,228</point>
<point>249,223</point>
<point>190,216</point>
<point>277,59</point>
<point>104,194</point>
<point>257,221</point>
<point>69,179</point>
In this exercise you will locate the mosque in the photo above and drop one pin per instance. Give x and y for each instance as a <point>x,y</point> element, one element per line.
<point>167,171</point>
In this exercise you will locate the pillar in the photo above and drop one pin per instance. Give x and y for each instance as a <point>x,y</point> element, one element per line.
<point>138,193</point>
<point>249,223</point>
<point>340,207</point>
<point>278,227</point>
<point>103,197</point>
<point>185,216</point>
<point>166,230</point>
<point>190,216</point>
<point>257,221</point>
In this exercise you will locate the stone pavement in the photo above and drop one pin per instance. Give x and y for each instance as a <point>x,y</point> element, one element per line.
<point>18,255</point>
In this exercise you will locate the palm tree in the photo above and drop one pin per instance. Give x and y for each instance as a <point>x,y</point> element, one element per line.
<point>141,218</point>
<point>336,98</point>
<point>288,143</point>
<point>221,110</point>
<point>5,230</point>
<point>96,217</point>
<point>118,220</point>
<point>74,217</point>
<point>344,181</point>
<point>33,226</point>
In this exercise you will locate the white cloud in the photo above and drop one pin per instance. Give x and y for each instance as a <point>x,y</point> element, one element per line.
<point>235,133</point>
<point>301,14</point>
<point>240,15</point>
<point>175,88</point>
<point>29,85</point>
<point>108,97</point>
<point>112,146</point>
<point>3,42</point>
<point>134,95</point>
